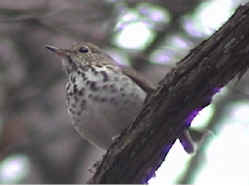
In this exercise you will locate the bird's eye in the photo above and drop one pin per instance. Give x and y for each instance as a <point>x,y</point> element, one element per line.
<point>83,50</point>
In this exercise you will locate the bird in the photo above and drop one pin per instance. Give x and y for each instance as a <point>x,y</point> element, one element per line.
<point>102,97</point>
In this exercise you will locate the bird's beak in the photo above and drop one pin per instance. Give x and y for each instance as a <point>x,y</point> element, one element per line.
<point>58,51</point>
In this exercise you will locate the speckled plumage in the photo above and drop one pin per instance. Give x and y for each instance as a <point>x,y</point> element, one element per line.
<point>102,102</point>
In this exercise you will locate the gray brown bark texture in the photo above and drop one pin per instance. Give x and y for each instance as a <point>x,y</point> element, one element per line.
<point>141,149</point>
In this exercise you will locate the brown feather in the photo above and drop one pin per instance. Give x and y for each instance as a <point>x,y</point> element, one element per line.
<point>139,79</point>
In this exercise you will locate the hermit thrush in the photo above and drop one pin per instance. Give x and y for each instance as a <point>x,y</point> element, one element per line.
<point>102,97</point>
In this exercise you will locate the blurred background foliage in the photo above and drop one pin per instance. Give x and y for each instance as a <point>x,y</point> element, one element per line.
<point>37,142</point>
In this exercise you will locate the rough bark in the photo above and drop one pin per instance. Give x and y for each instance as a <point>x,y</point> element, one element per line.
<point>188,88</point>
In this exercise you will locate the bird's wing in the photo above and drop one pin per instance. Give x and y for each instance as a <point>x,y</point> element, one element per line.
<point>139,79</point>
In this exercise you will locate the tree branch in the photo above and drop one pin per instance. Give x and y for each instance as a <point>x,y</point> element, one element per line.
<point>188,88</point>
